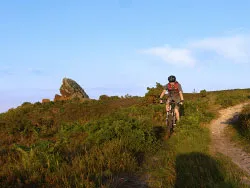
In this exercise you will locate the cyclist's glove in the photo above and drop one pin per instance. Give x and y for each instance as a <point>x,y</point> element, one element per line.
<point>181,102</point>
<point>161,101</point>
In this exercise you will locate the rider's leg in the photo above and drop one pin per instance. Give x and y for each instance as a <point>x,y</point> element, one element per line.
<point>167,105</point>
<point>177,114</point>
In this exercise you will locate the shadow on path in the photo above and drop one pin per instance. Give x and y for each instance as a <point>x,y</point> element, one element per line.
<point>198,170</point>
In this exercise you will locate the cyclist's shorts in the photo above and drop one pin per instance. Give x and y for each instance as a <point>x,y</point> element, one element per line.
<point>176,106</point>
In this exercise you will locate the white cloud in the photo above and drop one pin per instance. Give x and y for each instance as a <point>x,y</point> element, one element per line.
<point>234,49</point>
<point>36,71</point>
<point>5,71</point>
<point>177,56</point>
<point>17,70</point>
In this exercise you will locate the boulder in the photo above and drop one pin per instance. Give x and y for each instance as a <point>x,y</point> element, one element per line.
<point>60,98</point>
<point>71,90</point>
<point>45,100</point>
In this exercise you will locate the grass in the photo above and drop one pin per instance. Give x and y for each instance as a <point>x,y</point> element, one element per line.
<point>114,141</point>
<point>184,161</point>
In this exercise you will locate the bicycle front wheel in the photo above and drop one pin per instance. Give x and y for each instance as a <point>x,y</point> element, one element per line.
<point>169,125</point>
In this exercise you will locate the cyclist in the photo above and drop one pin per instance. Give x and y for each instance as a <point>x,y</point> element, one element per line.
<point>175,93</point>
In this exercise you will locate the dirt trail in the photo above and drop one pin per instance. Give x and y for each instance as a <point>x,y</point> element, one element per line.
<point>221,142</point>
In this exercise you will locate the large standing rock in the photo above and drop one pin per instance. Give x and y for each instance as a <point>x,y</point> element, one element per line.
<point>71,90</point>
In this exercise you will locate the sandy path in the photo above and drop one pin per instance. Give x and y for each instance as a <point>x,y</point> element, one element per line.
<point>221,142</point>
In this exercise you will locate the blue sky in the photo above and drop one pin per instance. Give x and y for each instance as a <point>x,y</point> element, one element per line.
<point>119,47</point>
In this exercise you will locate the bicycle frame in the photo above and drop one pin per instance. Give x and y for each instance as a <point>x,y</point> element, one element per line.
<point>171,118</point>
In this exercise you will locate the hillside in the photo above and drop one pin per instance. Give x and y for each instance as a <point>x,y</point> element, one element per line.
<point>115,142</point>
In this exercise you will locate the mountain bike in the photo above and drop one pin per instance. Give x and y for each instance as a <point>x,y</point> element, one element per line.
<point>171,117</point>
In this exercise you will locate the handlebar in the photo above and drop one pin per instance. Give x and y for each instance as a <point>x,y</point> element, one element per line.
<point>171,101</point>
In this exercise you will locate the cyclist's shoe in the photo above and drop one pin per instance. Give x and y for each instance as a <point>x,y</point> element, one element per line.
<point>174,133</point>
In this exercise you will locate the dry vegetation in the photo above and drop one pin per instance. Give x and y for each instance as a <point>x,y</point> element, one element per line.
<point>113,141</point>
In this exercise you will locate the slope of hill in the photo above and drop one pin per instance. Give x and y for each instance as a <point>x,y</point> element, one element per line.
<point>114,142</point>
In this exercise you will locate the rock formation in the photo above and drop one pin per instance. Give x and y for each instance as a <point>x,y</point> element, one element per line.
<point>71,90</point>
<point>45,100</point>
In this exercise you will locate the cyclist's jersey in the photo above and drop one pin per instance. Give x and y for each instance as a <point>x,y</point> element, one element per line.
<point>174,93</point>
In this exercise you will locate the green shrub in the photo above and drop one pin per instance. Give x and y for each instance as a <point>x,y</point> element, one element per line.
<point>26,103</point>
<point>153,94</point>
<point>243,123</point>
<point>132,133</point>
<point>203,93</point>
<point>106,97</point>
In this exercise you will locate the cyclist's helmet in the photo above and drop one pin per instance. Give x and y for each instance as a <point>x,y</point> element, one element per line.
<point>172,78</point>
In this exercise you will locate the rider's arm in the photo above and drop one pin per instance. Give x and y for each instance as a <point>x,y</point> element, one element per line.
<point>181,95</point>
<point>163,93</point>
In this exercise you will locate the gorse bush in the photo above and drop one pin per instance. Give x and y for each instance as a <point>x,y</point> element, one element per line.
<point>90,147</point>
<point>134,134</point>
<point>106,97</point>
<point>244,119</point>
<point>153,94</point>
<point>203,93</point>
<point>48,117</point>
<point>243,123</point>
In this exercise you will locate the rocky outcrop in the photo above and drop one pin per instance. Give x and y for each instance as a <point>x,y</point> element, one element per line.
<point>45,100</point>
<point>71,90</point>
<point>59,98</point>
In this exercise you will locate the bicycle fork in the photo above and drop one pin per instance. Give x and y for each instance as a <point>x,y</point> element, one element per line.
<point>167,115</point>
<point>174,120</point>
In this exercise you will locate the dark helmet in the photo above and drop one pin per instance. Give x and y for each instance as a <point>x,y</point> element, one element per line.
<point>172,78</point>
